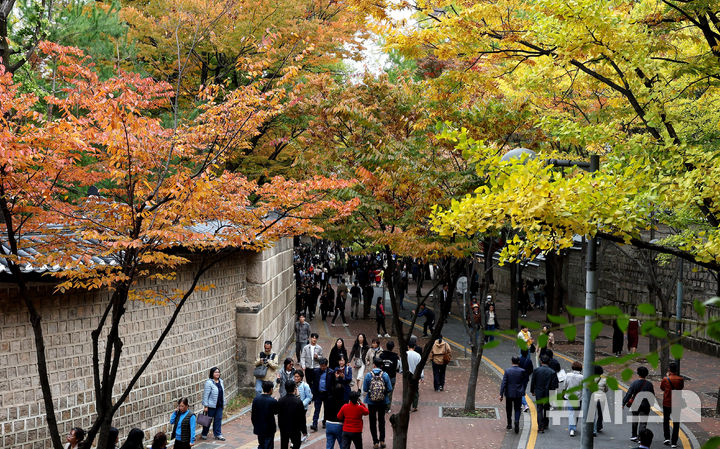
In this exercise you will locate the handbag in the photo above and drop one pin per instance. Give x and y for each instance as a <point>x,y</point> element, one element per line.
<point>447,358</point>
<point>204,420</point>
<point>358,363</point>
<point>260,371</point>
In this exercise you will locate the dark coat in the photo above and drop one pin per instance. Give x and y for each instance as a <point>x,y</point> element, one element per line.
<point>315,387</point>
<point>527,365</point>
<point>640,385</point>
<point>513,383</point>
<point>291,414</point>
<point>544,379</point>
<point>262,415</point>
<point>555,365</point>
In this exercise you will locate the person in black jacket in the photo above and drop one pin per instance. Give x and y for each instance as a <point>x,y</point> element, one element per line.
<point>262,415</point>
<point>320,387</point>
<point>291,417</point>
<point>525,362</point>
<point>544,380</point>
<point>637,399</point>
<point>391,363</point>
<point>512,389</point>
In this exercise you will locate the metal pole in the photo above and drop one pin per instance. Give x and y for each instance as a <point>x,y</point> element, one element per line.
<point>589,343</point>
<point>678,305</point>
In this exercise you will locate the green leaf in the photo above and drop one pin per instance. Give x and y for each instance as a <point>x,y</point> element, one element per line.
<point>712,443</point>
<point>595,329</point>
<point>557,319</point>
<point>653,359</point>
<point>579,311</point>
<point>542,340</point>
<point>677,351</point>
<point>606,361</point>
<point>623,322</point>
<point>612,383</point>
<point>491,344</point>
<point>699,308</point>
<point>521,344</point>
<point>570,332</point>
<point>626,375</point>
<point>658,332</point>
<point>646,309</point>
<point>530,324</point>
<point>609,310</point>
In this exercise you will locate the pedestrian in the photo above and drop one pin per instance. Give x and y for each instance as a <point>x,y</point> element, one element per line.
<point>74,438</point>
<point>544,380</point>
<point>114,437</point>
<point>413,359</point>
<point>599,398</point>
<point>524,300</point>
<point>320,390</point>
<point>340,300</point>
<point>632,335</point>
<point>291,417</point>
<point>184,424</point>
<point>373,352</point>
<point>312,302</point>
<point>265,367</point>
<point>337,350</point>
<point>214,401</point>
<point>134,439</point>
<point>639,406</point>
<point>525,362</point>
<point>512,388</point>
<point>327,301</point>
<point>672,406</point>
<point>491,322</point>
<point>309,358</point>
<point>525,339</point>
<point>333,402</point>
<point>377,388</point>
<point>445,298</point>
<point>391,365</point>
<point>304,392</point>
<point>544,343</point>
<point>380,317</point>
<point>357,357</point>
<point>302,335</point>
<point>429,315</point>
<point>645,438</point>
<point>286,373</point>
<point>440,355</point>
<point>573,400</point>
<point>262,415</point>
<point>351,415</point>
<point>344,376</point>
<point>159,441</point>
<point>368,293</point>
<point>355,294</point>
<point>617,339</point>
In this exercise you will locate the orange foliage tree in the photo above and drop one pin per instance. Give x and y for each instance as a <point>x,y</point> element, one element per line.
<point>158,198</point>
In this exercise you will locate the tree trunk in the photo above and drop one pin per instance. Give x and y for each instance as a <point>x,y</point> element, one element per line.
<point>475,360</point>
<point>514,294</point>
<point>555,280</point>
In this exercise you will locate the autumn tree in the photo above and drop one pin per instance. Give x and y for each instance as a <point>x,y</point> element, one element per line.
<point>158,200</point>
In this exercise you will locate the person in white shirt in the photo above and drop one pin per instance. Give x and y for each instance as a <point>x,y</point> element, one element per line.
<point>413,358</point>
<point>310,357</point>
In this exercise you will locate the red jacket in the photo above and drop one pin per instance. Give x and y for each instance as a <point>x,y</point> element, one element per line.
<point>669,384</point>
<point>351,416</point>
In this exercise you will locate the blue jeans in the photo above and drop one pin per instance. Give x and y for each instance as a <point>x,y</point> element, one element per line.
<point>258,387</point>
<point>333,433</point>
<point>265,442</point>
<point>318,401</point>
<point>216,414</point>
<point>490,327</point>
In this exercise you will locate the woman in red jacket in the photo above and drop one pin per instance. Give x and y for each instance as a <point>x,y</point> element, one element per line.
<point>351,416</point>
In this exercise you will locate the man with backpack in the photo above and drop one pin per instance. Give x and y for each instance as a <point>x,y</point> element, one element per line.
<point>391,365</point>
<point>377,388</point>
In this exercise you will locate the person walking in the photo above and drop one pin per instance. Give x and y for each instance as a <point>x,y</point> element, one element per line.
<point>525,362</point>
<point>291,417</point>
<point>618,339</point>
<point>262,415</point>
<point>309,358</point>
<point>633,335</point>
<point>320,388</point>
<point>340,301</point>
<point>440,355</point>
<point>134,440</point>
<point>413,359</point>
<point>380,317</point>
<point>543,381</point>
<point>377,388</point>
<point>429,319</point>
<point>544,344</point>
<point>302,335</point>
<point>524,300</point>
<point>357,357</point>
<point>368,292</point>
<point>491,322</point>
<point>351,415</point>
<point>355,295</point>
<point>526,337</point>
<point>267,359</point>
<point>599,398</point>
<point>641,410</point>
<point>344,376</point>
<point>671,382</point>
<point>391,365</point>
<point>286,373</point>
<point>184,424</point>
<point>214,401</point>
<point>333,403</point>
<point>327,301</point>
<point>512,388</point>
<point>573,400</point>
<point>303,391</point>
<point>373,352</point>
<point>337,351</point>
<point>645,438</point>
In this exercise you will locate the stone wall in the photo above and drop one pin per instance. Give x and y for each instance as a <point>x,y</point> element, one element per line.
<point>622,282</point>
<point>204,335</point>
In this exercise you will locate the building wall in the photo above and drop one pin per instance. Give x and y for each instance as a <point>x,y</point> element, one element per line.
<point>204,335</point>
